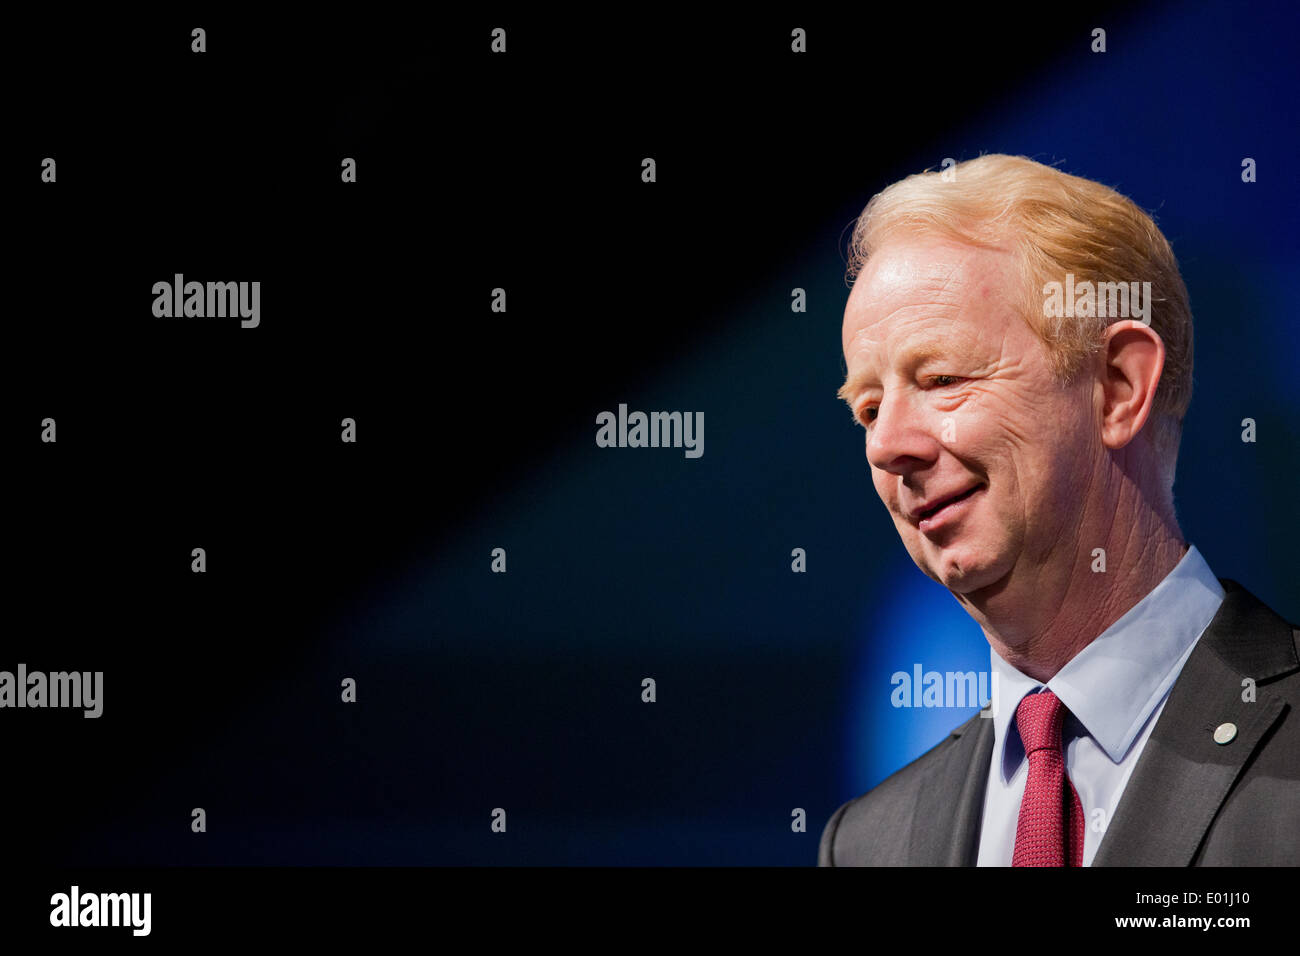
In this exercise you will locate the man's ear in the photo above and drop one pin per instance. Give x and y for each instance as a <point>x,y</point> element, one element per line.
<point>1130,362</point>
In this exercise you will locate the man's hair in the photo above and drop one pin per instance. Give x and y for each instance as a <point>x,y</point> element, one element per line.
<point>1054,224</point>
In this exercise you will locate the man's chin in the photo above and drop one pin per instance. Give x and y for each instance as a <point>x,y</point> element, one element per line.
<point>963,573</point>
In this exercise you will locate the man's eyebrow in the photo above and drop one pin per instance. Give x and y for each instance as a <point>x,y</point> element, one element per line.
<point>911,355</point>
<point>852,386</point>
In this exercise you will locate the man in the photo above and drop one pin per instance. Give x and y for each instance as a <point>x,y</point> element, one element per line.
<point>1022,422</point>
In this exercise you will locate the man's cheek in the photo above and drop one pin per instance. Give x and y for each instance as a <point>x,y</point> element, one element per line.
<point>885,495</point>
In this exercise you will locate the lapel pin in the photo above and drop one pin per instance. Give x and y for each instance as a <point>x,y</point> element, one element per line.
<point>1224,733</point>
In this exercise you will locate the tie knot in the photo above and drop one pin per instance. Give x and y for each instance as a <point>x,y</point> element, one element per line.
<point>1039,719</point>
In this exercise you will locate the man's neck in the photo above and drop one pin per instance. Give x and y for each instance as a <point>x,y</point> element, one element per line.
<point>1038,623</point>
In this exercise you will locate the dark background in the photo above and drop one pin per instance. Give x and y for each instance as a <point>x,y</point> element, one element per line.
<point>476,429</point>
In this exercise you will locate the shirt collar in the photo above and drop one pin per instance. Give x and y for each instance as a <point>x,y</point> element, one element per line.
<point>1112,685</point>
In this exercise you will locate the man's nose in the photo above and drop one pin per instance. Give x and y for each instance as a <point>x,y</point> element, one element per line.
<point>899,440</point>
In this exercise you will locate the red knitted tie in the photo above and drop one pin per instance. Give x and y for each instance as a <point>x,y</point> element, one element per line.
<point>1041,837</point>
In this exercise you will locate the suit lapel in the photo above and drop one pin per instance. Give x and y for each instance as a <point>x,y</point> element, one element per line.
<point>1183,775</point>
<point>950,805</point>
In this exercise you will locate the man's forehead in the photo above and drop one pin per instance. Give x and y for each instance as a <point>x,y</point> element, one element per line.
<point>917,283</point>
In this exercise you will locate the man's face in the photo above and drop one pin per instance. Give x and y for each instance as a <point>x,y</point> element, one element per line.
<point>957,395</point>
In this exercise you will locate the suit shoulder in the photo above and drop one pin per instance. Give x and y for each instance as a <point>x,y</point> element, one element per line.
<point>887,807</point>
<point>1253,639</point>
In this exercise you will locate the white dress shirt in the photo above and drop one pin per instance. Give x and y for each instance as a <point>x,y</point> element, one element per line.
<point>1115,689</point>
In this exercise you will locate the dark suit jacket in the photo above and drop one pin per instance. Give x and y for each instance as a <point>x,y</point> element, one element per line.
<point>1189,800</point>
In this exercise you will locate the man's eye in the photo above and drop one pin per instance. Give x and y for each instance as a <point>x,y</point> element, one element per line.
<point>868,414</point>
<point>942,380</point>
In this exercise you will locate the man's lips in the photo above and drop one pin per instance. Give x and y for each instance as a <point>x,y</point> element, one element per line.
<point>932,507</point>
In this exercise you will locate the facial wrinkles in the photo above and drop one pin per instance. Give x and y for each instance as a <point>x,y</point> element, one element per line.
<point>904,296</point>
<point>901,283</point>
<point>974,393</point>
<point>1060,485</point>
<point>1067,535</point>
<point>903,293</point>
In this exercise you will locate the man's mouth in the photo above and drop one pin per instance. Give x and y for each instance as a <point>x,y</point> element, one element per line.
<point>928,517</point>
